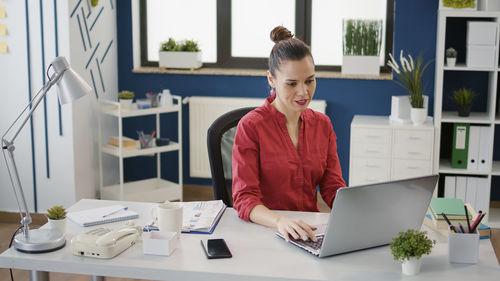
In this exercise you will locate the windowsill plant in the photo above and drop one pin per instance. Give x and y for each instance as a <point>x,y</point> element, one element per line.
<point>126,98</point>
<point>451,57</point>
<point>180,54</point>
<point>409,76</point>
<point>362,40</point>
<point>409,247</point>
<point>463,98</point>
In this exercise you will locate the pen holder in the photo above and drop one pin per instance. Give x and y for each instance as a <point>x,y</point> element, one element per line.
<point>146,141</point>
<point>463,247</point>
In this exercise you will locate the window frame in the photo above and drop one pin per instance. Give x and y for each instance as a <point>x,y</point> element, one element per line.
<point>303,23</point>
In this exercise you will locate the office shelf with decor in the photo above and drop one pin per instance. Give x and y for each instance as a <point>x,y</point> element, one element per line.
<point>156,189</point>
<point>457,29</point>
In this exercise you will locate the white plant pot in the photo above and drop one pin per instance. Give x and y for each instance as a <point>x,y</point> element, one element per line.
<point>418,116</point>
<point>411,266</point>
<point>360,65</point>
<point>451,61</point>
<point>58,224</point>
<point>126,103</point>
<point>189,60</point>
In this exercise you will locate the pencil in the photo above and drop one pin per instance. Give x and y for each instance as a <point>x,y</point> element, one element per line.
<point>477,222</point>
<point>467,216</point>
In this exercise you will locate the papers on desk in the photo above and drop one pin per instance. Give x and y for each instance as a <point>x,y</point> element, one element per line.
<point>102,215</point>
<point>201,216</point>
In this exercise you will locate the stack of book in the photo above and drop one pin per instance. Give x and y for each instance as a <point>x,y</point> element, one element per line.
<point>127,142</point>
<point>454,210</point>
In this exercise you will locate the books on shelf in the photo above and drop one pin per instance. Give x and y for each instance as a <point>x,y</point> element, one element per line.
<point>201,216</point>
<point>453,208</point>
<point>126,142</point>
<point>102,215</point>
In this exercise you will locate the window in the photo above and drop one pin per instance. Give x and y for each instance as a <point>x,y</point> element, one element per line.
<point>235,33</point>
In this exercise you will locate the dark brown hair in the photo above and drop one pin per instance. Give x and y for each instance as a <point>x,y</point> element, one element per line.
<point>286,48</point>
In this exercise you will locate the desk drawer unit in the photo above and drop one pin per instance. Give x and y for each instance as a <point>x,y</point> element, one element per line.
<point>369,170</point>
<point>403,169</point>
<point>413,144</point>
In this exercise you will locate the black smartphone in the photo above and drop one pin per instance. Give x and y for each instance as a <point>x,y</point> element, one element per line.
<point>216,248</point>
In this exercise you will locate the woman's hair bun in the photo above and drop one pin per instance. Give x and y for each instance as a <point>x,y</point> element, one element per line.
<point>280,33</point>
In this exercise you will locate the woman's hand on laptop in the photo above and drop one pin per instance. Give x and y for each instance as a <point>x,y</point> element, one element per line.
<point>295,228</point>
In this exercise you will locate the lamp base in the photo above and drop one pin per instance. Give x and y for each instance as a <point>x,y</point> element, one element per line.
<point>40,241</point>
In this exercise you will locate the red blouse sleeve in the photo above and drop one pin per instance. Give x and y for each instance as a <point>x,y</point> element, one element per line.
<point>332,179</point>
<point>245,164</point>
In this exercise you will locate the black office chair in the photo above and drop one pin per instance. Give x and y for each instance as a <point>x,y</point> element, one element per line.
<point>220,138</point>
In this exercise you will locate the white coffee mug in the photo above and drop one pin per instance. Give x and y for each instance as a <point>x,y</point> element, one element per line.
<point>168,217</point>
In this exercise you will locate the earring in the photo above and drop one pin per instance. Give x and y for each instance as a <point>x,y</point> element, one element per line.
<point>272,93</point>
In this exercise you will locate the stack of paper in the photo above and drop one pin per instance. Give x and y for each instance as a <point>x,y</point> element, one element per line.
<point>102,215</point>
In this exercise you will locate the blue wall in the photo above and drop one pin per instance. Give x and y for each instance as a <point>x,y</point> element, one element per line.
<point>414,32</point>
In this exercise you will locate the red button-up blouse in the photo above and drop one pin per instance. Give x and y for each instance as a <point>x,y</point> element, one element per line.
<point>268,170</point>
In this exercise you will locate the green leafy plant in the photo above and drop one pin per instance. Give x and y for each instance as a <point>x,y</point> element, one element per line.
<point>409,76</point>
<point>459,4</point>
<point>451,53</point>
<point>126,95</point>
<point>412,243</point>
<point>464,96</point>
<point>56,213</point>
<point>179,46</point>
<point>362,37</point>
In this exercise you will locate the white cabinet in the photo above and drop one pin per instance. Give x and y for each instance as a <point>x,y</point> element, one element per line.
<point>453,32</point>
<point>382,151</point>
<point>149,190</point>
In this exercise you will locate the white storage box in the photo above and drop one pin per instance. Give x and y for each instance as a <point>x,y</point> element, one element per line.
<point>480,56</point>
<point>489,5</point>
<point>482,33</point>
<point>159,243</point>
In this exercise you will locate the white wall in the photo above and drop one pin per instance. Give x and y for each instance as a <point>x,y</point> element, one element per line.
<point>72,156</point>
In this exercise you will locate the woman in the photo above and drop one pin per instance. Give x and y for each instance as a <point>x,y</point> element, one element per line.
<point>283,150</point>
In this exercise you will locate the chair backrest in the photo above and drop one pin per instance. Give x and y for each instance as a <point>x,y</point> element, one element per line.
<point>220,138</point>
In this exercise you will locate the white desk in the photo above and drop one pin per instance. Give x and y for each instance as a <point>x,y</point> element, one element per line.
<point>257,255</point>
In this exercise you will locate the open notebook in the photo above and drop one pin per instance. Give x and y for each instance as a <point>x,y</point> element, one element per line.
<point>102,215</point>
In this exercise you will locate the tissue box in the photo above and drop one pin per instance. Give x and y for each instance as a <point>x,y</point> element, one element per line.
<point>480,56</point>
<point>159,243</point>
<point>463,247</point>
<point>482,33</point>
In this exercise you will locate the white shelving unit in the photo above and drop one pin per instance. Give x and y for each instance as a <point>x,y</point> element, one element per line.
<point>149,190</point>
<point>443,118</point>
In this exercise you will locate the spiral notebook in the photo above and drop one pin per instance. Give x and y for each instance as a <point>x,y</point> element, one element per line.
<point>102,215</point>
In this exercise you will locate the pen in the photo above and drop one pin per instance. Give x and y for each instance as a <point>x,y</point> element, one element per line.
<point>467,216</point>
<point>114,212</point>
<point>452,229</point>
<point>140,138</point>
<point>461,228</point>
<point>477,222</point>
<point>449,223</point>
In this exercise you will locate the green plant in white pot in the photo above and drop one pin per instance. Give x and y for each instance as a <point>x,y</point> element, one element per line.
<point>180,54</point>
<point>126,98</point>
<point>409,75</point>
<point>409,247</point>
<point>451,57</point>
<point>57,218</point>
<point>362,40</point>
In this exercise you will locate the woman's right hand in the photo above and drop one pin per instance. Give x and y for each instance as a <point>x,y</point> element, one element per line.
<point>295,228</point>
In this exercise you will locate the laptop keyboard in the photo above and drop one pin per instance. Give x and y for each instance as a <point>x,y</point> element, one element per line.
<point>309,243</point>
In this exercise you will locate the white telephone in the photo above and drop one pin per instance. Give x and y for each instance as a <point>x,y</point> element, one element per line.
<point>104,243</point>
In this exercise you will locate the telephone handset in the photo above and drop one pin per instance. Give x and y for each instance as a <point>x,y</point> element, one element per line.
<point>104,242</point>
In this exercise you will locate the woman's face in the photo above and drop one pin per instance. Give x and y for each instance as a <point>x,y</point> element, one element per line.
<point>295,84</point>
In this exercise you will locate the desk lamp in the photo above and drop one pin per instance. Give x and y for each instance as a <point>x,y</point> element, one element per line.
<point>71,87</point>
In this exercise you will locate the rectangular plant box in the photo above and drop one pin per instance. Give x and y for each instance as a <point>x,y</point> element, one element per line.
<point>360,65</point>
<point>189,60</point>
<point>442,6</point>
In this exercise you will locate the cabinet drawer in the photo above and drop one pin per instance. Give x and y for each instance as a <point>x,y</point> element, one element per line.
<point>369,135</point>
<point>365,149</point>
<point>413,144</point>
<point>369,170</point>
<point>403,169</point>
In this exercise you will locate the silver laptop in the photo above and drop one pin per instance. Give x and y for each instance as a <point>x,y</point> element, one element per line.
<point>371,215</point>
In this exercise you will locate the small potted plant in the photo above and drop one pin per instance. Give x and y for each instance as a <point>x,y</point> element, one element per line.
<point>362,40</point>
<point>183,54</point>
<point>463,98</point>
<point>57,218</point>
<point>126,98</point>
<point>408,248</point>
<point>451,57</point>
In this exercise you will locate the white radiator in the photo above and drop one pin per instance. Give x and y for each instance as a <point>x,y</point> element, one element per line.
<point>202,113</point>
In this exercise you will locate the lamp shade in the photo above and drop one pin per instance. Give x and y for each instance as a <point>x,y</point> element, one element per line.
<point>71,85</point>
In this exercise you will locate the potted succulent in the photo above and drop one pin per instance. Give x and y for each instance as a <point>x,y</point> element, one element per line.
<point>57,218</point>
<point>451,57</point>
<point>183,54</point>
<point>361,44</point>
<point>409,76</point>
<point>126,98</point>
<point>463,98</point>
<point>408,248</point>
